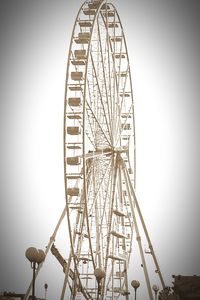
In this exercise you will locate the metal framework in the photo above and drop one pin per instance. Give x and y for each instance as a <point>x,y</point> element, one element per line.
<point>99,133</point>
<point>102,210</point>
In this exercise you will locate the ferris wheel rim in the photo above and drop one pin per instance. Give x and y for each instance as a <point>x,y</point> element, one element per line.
<point>112,150</point>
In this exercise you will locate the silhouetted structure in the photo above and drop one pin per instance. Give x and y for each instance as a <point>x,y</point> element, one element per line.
<point>184,288</point>
<point>15,296</point>
<point>11,296</point>
<point>187,287</point>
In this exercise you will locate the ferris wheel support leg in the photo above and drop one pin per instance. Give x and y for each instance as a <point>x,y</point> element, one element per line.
<point>72,255</point>
<point>115,171</point>
<point>124,243</point>
<point>138,237</point>
<point>146,232</point>
<point>51,240</point>
<point>66,276</point>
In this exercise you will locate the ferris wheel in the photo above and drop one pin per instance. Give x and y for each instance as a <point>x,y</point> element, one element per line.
<point>102,209</point>
<point>99,152</point>
<point>99,128</point>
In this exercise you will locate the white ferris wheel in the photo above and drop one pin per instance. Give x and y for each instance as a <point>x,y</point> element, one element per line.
<point>102,210</point>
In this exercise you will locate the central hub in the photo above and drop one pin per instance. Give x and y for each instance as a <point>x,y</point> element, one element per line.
<point>120,150</point>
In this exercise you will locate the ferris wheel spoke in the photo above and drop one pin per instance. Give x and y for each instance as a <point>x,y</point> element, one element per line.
<point>103,61</point>
<point>92,136</point>
<point>87,226</point>
<point>111,58</point>
<point>104,216</point>
<point>116,78</point>
<point>96,207</point>
<point>101,195</point>
<point>98,154</point>
<point>100,186</point>
<point>97,122</point>
<point>101,97</point>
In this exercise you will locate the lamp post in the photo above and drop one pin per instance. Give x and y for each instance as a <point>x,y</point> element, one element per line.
<point>99,274</point>
<point>155,288</point>
<point>135,284</point>
<point>35,257</point>
<point>45,288</point>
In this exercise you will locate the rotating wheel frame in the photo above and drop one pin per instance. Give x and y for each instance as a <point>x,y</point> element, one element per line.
<point>102,209</point>
<point>99,129</point>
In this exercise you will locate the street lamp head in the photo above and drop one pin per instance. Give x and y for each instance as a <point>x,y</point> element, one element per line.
<point>155,288</point>
<point>99,274</point>
<point>135,284</point>
<point>40,256</point>
<point>31,254</point>
<point>34,255</point>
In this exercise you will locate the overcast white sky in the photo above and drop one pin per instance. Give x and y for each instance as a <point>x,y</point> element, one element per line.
<point>164,47</point>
